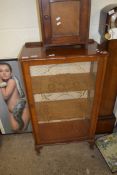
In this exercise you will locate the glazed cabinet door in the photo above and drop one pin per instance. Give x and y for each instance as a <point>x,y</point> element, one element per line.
<point>65,100</point>
<point>65,21</point>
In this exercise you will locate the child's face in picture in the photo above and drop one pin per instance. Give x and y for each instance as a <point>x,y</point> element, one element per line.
<point>5,72</point>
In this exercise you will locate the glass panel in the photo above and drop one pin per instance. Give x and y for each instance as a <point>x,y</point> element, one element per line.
<point>63,91</point>
<point>65,21</point>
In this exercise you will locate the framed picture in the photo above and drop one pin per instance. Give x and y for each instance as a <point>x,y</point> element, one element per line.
<point>14,112</point>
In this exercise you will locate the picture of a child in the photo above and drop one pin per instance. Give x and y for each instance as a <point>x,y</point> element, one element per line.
<point>14,97</point>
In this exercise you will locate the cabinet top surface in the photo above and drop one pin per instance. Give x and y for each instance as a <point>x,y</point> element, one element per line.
<point>35,51</point>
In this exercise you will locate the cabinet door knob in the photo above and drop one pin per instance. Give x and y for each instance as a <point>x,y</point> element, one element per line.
<point>46,17</point>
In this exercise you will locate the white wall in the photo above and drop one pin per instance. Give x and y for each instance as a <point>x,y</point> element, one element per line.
<point>18,24</point>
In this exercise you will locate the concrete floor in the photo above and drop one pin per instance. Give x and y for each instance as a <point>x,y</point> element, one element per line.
<point>18,157</point>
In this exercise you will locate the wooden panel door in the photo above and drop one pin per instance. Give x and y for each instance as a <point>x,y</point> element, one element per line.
<point>64,106</point>
<point>65,21</point>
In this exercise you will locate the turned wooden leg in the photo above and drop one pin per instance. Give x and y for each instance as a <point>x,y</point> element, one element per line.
<point>38,148</point>
<point>91,143</point>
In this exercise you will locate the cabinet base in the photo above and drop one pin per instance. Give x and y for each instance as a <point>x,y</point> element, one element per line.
<point>105,124</point>
<point>39,147</point>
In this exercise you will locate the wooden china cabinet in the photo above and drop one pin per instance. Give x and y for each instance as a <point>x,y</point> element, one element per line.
<point>64,88</point>
<point>63,75</point>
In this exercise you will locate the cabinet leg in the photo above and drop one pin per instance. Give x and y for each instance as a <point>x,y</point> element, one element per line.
<point>91,144</point>
<point>38,148</point>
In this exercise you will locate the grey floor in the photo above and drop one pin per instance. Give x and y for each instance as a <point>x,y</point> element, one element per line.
<point>18,157</point>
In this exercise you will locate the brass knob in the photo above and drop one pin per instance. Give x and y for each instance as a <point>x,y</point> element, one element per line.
<point>107,36</point>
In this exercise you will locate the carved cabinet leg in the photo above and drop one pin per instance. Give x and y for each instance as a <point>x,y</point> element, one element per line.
<point>91,143</point>
<point>38,148</point>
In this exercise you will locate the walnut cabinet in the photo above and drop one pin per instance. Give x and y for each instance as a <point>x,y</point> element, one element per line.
<point>64,88</point>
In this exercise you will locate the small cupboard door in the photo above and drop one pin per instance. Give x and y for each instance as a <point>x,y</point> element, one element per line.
<point>65,21</point>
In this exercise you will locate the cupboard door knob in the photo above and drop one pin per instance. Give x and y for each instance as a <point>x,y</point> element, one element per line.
<point>46,17</point>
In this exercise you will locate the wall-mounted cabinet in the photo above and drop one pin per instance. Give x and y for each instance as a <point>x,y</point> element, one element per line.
<point>65,22</point>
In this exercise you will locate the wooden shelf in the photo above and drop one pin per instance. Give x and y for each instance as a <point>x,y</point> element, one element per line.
<point>57,108</point>
<point>63,83</point>
<point>63,110</point>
